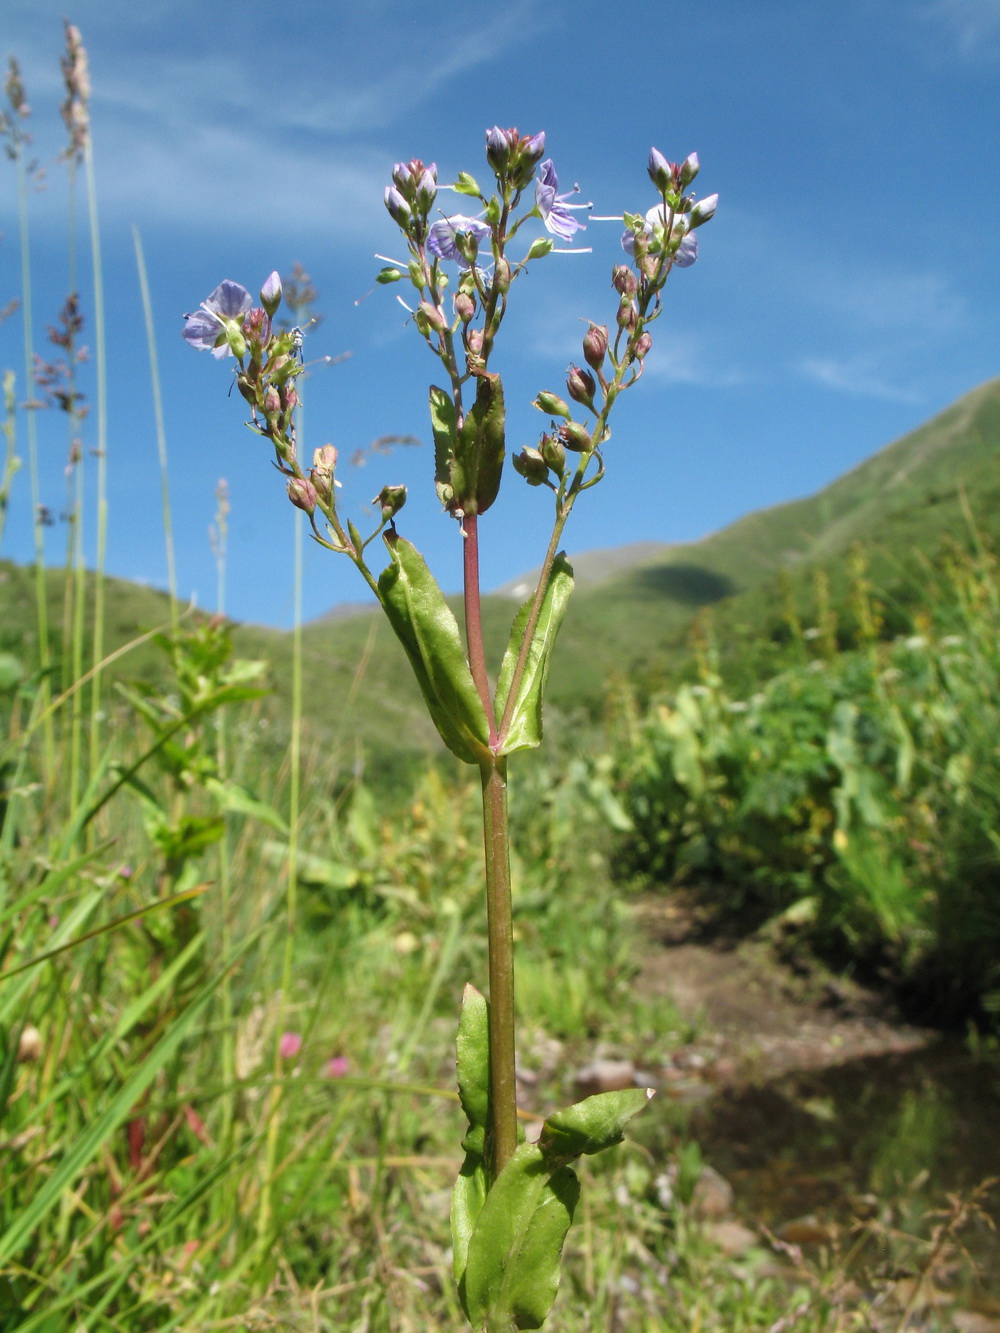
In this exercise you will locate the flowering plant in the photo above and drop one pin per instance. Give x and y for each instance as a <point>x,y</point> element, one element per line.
<point>513,1202</point>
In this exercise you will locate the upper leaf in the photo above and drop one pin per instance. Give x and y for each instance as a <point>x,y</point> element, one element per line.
<point>425,626</point>
<point>592,1125</point>
<point>524,731</point>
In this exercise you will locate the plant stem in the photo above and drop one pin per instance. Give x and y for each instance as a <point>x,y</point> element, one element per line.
<point>503,1090</point>
<point>473,616</point>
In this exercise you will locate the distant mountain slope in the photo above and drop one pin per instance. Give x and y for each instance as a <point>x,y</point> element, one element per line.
<point>359,691</point>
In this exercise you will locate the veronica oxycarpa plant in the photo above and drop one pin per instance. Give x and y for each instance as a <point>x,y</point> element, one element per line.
<point>513,1201</point>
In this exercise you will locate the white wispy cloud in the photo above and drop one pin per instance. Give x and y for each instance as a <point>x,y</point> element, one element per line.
<point>857,377</point>
<point>971,26</point>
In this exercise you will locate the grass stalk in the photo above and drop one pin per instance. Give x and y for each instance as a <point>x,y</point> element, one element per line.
<point>101,374</point>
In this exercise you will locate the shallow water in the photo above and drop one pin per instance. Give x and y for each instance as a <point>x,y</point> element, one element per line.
<point>902,1130</point>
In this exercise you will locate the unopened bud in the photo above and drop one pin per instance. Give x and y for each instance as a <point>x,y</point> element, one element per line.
<point>624,280</point>
<point>272,402</point>
<point>399,209</point>
<point>703,210</point>
<point>270,294</point>
<point>428,317</point>
<point>501,276</point>
<point>689,169</point>
<point>541,246</point>
<point>661,172</point>
<point>498,146</point>
<point>642,345</point>
<point>530,464</point>
<point>302,494</point>
<point>554,454</point>
<point>595,345</point>
<point>552,404</point>
<point>575,437</point>
<point>627,314</point>
<point>465,306</point>
<point>426,191</point>
<point>235,339</point>
<point>321,474</point>
<point>390,500</point>
<point>581,386</point>
<point>474,341</point>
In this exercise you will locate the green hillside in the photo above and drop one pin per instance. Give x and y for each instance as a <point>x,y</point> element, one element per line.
<point>360,695</point>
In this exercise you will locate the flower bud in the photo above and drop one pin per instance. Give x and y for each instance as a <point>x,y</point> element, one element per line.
<point>399,209</point>
<point>595,345</point>
<point>689,169</point>
<point>302,494</point>
<point>428,317</point>
<point>321,473</point>
<point>387,275</point>
<point>530,464</point>
<point>272,402</point>
<point>474,341</point>
<point>642,345</point>
<point>465,306</point>
<point>501,276</point>
<point>390,500</point>
<point>703,210</point>
<point>270,294</point>
<point>575,437</point>
<point>499,143</point>
<point>554,454</point>
<point>661,172</point>
<point>539,247</point>
<point>551,403</point>
<point>627,314</point>
<point>624,280</point>
<point>426,189</point>
<point>235,339</point>
<point>581,386</point>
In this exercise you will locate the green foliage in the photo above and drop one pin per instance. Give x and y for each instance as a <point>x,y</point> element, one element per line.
<point>862,789</point>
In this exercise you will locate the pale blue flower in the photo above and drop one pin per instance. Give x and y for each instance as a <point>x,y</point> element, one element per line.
<point>442,240</point>
<point>205,329</point>
<point>682,245</point>
<point>554,211</point>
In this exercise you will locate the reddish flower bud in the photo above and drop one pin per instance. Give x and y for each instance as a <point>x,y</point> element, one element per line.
<point>627,313</point>
<point>642,345</point>
<point>270,294</point>
<point>465,306</point>
<point>624,280</point>
<point>321,474</point>
<point>595,345</point>
<point>581,386</point>
<point>302,494</point>
<point>575,437</point>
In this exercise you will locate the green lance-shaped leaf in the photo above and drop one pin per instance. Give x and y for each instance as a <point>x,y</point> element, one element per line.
<point>592,1125</point>
<point>425,626</point>
<point>468,463</point>
<point>512,1273</point>
<point>472,1048</point>
<point>525,729</point>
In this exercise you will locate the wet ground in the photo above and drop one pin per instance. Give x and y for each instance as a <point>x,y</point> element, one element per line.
<point>817,1105</point>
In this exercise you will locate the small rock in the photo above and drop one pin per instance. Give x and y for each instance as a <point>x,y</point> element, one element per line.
<point>605,1076</point>
<point>713,1195</point>
<point>732,1238</point>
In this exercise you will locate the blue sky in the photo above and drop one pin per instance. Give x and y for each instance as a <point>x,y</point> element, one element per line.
<point>847,288</point>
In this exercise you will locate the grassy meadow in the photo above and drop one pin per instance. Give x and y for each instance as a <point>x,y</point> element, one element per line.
<point>232,953</point>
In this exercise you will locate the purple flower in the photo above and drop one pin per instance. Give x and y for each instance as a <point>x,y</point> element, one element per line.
<point>443,238</point>
<point>554,211</point>
<point>336,1067</point>
<point>206,328</point>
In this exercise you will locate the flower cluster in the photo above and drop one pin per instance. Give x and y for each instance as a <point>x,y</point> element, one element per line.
<point>665,235</point>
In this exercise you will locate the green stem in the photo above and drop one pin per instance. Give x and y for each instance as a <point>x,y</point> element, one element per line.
<point>101,363</point>
<point>500,928</point>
